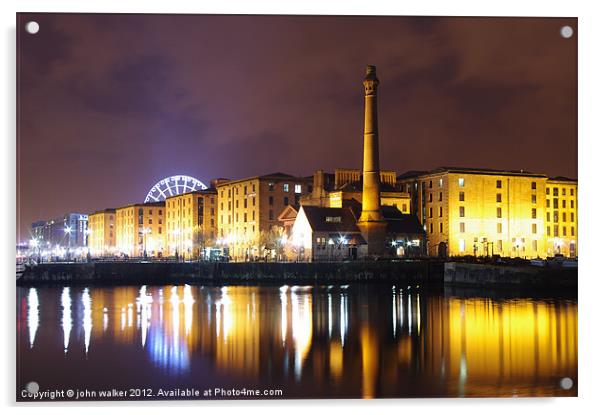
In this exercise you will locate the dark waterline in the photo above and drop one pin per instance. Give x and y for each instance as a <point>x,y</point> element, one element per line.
<point>350,341</point>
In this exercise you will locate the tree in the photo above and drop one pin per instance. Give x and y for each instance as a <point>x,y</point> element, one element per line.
<point>271,241</point>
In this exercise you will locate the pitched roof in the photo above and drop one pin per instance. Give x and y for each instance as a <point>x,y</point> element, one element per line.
<point>398,222</point>
<point>325,219</point>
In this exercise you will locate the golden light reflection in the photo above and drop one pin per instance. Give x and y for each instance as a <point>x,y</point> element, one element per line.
<point>379,342</point>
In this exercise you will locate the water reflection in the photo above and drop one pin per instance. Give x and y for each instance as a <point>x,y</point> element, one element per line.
<point>33,316</point>
<point>369,341</point>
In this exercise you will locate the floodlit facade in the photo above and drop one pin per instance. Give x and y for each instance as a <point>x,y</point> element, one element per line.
<point>140,228</point>
<point>191,220</point>
<point>101,233</point>
<point>248,211</point>
<point>561,217</point>
<point>480,212</point>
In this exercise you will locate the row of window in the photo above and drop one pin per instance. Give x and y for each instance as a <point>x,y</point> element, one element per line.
<point>556,230</point>
<point>555,203</point>
<point>556,215</point>
<point>555,191</point>
<point>517,245</point>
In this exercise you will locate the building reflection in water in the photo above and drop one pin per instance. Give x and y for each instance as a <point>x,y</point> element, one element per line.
<point>357,341</point>
<point>33,315</point>
<point>66,317</point>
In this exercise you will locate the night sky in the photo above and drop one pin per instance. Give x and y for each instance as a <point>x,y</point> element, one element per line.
<point>110,104</point>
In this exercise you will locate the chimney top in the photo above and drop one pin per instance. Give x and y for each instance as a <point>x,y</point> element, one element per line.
<point>370,72</point>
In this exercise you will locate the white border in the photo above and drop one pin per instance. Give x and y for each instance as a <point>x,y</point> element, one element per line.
<point>590,135</point>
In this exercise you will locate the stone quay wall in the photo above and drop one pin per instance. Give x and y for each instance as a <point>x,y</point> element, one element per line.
<point>234,272</point>
<point>431,272</point>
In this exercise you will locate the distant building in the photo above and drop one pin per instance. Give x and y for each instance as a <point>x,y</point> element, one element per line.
<point>101,233</point>
<point>485,212</point>
<point>249,208</point>
<point>68,231</point>
<point>191,220</point>
<point>140,228</point>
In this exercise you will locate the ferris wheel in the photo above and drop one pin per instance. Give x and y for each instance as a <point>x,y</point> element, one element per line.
<point>171,186</point>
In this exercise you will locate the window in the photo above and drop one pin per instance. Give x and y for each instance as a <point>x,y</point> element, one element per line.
<point>461,182</point>
<point>572,192</point>
<point>333,219</point>
<point>430,212</point>
<point>462,227</point>
<point>286,201</point>
<point>499,212</point>
<point>271,214</point>
<point>430,184</point>
<point>533,213</point>
<point>548,230</point>
<point>534,185</point>
<point>297,188</point>
<point>555,203</point>
<point>547,190</point>
<point>461,196</point>
<point>547,203</point>
<point>499,228</point>
<point>555,191</point>
<point>160,212</point>
<point>430,197</point>
<point>498,184</point>
<point>534,246</point>
<point>564,216</point>
<point>498,198</point>
<point>555,216</point>
<point>555,230</point>
<point>441,228</point>
<point>271,200</point>
<point>563,191</point>
<point>244,203</point>
<point>534,228</point>
<point>548,216</point>
<point>533,198</point>
<point>572,231</point>
<point>564,231</point>
<point>462,245</point>
<point>285,187</point>
<point>431,228</point>
<point>572,204</point>
<point>572,217</point>
<point>245,190</point>
<point>500,246</point>
<point>440,182</point>
<point>440,196</point>
<point>236,204</point>
<point>461,211</point>
<point>253,215</point>
<point>160,229</point>
<point>440,211</point>
<point>271,187</point>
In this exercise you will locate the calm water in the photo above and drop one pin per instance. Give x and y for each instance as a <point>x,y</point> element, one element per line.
<point>327,341</point>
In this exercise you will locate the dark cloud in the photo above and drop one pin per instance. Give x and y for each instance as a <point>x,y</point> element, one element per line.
<point>109,104</point>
